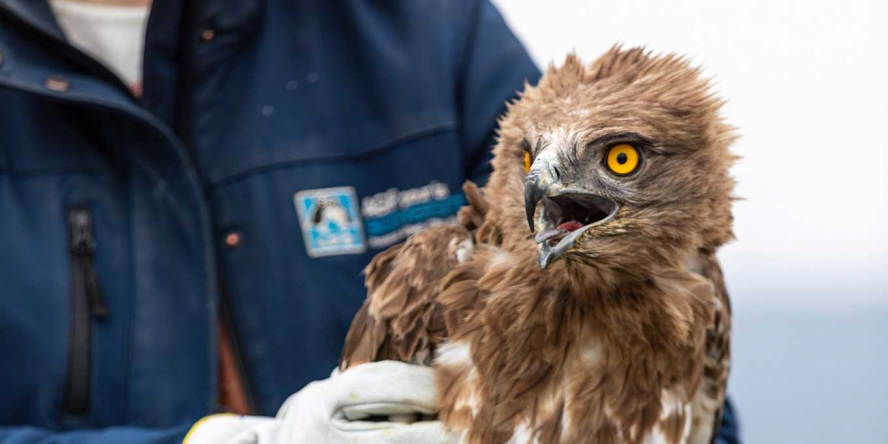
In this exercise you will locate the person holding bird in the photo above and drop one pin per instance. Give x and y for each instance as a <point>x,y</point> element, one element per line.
<point>190,191</point>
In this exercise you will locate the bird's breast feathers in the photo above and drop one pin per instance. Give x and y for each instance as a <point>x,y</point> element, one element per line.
<point>528,363</point>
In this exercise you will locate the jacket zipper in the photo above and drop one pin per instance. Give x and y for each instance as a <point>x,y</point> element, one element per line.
<point>87,305</point>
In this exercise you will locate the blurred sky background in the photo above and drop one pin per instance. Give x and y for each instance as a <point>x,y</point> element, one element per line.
<point>807,84</point>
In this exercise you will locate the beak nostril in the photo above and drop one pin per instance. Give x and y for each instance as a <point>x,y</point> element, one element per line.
<point>557,173</point>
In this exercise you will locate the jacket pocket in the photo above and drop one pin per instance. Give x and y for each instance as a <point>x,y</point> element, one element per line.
<point>87,306</point>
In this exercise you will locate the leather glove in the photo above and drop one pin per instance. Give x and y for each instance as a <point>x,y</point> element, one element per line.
<point>376,403</point>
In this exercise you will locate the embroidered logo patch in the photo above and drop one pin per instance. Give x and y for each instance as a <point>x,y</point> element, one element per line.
<point>393,215</point>
<point>331,221</point>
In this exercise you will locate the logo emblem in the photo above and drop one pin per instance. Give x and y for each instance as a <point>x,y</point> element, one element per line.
<point>330,220</point>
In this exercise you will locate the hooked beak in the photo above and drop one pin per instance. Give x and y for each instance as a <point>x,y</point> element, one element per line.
<point>567,212</point>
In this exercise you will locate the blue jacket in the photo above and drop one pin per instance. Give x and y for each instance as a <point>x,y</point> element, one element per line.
<point>277,147</point>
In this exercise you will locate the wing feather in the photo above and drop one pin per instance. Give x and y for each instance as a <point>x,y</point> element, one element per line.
<point>364,341</point>
<point>400,319</point>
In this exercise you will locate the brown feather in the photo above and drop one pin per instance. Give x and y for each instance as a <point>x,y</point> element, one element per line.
<point>402,283</point>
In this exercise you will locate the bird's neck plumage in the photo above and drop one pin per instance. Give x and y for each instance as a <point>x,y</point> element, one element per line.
<point>647,305</point>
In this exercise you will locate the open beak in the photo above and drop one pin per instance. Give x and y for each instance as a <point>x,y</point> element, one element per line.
<point>567,212</point>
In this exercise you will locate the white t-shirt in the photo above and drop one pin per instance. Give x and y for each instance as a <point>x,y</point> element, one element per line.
<point>114,35</point>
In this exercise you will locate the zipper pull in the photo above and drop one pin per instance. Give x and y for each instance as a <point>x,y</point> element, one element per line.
<point>83,247</point>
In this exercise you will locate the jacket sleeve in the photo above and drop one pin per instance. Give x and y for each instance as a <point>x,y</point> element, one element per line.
<point>133,435</point>
<point>494,67</point>
<point>729,429</point>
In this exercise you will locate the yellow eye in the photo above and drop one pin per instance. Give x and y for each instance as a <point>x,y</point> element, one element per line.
<point>526,162</point>
<point>622,159</point>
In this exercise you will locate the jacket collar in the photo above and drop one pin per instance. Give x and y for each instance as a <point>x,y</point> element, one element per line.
<point>35,13</point>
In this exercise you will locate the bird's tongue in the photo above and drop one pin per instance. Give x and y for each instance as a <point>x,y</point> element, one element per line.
<point>570,226</point>
<point>558,233</point>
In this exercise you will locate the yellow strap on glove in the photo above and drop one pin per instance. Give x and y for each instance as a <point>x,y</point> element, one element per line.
<point>338,410</point>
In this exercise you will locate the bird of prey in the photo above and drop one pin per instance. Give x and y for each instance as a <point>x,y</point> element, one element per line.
<point>580,301</point>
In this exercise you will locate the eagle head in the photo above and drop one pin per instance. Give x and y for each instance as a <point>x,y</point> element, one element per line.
<point>621,161</point>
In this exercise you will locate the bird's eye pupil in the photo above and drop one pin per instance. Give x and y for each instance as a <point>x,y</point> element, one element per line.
<point>622,158</point>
